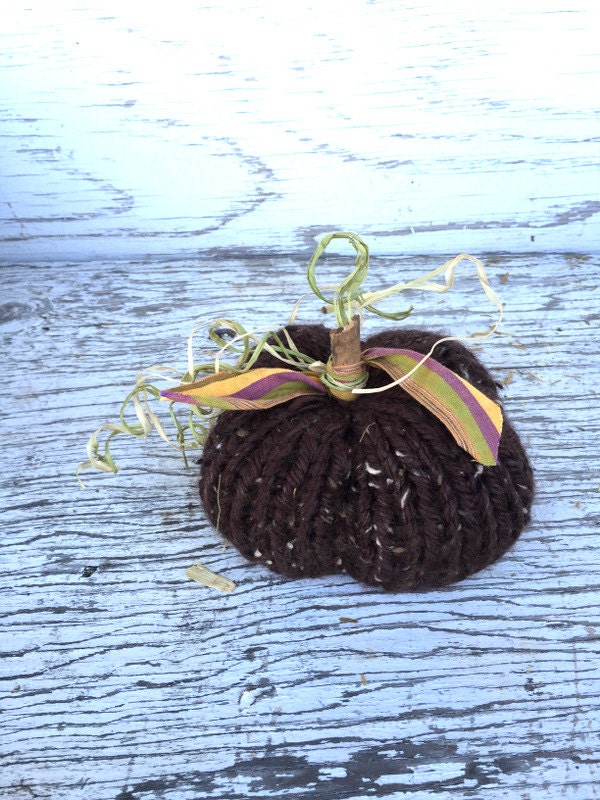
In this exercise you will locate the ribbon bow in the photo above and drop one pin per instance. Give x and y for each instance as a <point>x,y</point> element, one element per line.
<point>473,419</point>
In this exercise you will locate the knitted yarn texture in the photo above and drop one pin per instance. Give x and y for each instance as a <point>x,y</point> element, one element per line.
<point>376,488</point>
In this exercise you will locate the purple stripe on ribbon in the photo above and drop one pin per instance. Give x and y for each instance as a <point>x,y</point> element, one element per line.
<point>177,397</point>
<point>481,417</point>
<point>261,387</point>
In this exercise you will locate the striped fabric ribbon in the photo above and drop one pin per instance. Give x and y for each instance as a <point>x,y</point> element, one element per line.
<point>247,391</point>
<point>473,419</point>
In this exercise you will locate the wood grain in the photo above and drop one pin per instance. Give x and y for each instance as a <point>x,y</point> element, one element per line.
<point>123,680</point>
<point>427,128</point>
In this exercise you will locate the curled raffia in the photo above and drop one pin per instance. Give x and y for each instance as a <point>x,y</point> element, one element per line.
<point>191,432</point>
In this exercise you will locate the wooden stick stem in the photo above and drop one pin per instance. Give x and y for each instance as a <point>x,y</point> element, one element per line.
<point>345,345</point>
<point>346,366</point>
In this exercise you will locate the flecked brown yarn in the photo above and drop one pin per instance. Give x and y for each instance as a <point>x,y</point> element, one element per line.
<point>377,488</point>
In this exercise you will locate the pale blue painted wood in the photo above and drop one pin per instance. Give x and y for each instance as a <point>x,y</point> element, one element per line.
<point>165,130</point>
<point>148,155</point>
<point>122,680</point>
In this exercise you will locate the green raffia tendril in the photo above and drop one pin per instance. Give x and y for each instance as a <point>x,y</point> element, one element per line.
<point>348,297</point>
<point>189,435</point>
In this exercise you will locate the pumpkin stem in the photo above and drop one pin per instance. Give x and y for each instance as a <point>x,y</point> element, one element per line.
<point>345,369</point>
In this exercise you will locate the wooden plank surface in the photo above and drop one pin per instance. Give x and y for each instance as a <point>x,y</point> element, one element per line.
<point>430,128</point>
<point>123,680</point>
<point>162,167</point>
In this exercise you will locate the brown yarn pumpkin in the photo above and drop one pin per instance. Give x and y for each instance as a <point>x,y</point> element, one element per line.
<point>377,488</point>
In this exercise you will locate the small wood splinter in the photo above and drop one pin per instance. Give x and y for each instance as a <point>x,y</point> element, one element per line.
<point>201,574</point>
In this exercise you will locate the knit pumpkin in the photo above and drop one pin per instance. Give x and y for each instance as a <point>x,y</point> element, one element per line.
<point>377,488</point>
<point>315,463</point>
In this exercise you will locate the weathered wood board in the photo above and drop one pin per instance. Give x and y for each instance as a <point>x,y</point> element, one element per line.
<point>429,127</point>
<point>158,166</point>
<point>123,680</point>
